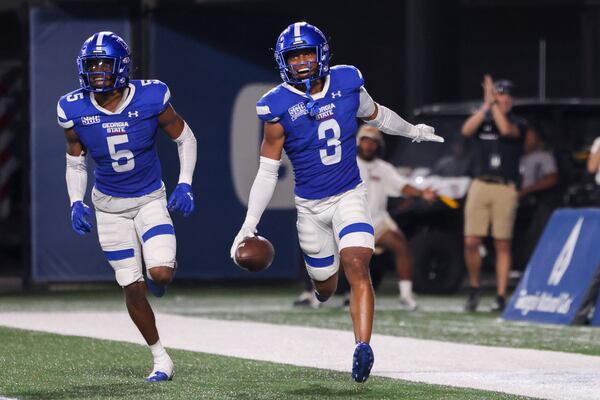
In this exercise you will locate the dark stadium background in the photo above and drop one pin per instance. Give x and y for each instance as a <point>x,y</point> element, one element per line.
<point>411,53</point>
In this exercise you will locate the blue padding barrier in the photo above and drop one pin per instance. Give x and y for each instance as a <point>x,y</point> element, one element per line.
<point>561,271</point>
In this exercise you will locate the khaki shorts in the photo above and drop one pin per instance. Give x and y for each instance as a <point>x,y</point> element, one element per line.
<point>492,204</point>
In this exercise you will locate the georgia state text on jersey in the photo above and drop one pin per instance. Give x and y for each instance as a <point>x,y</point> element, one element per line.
<point>322,148</point>
<point>122,143</point>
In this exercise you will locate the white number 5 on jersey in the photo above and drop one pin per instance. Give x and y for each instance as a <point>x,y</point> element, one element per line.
<point>117,155</point>
<point>334,142</point>
<point>74,97</point>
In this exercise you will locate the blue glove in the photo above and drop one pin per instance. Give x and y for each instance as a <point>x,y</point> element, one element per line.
<point>79,212</point>
<point>182,199</point>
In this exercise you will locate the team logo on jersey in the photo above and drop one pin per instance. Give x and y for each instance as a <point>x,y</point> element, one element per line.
<point>336,94</point>
<point>325,112</point>
<point>115,127</point>
<point>132,114</point>
<point>297,110</point>
<point>90,120</point>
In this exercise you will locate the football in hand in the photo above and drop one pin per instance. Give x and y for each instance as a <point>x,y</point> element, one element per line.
<point>254,254</point>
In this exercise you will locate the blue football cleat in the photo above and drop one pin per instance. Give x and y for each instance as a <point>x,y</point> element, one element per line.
<point>362,362</point>
<point>156,289</point>
<point>159,376</point>
<point>163,370</point>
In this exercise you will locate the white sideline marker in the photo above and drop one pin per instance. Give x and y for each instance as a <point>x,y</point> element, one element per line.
<point>536,373</point>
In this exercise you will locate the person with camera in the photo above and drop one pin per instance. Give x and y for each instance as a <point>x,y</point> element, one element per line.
<point>497,135</point>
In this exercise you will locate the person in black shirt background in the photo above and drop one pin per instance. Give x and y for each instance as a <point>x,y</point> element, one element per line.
<point>497,135</point>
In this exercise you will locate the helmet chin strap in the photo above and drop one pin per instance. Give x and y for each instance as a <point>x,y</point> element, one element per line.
<point>311,106</point>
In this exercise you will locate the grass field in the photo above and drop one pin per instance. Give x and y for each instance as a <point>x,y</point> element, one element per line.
<point>46,366</point>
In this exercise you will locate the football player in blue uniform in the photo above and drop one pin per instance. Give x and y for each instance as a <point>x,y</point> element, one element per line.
<point>115,119</point>
<point>313,116</point>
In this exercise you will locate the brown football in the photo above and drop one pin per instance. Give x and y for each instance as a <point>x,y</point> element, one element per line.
<point>254,254</point>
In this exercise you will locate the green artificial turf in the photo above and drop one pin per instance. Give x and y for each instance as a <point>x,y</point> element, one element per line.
<point>47,366</point>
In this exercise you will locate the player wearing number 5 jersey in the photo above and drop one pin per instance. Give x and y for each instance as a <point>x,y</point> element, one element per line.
<point>115,121</point>
<point>312,115</point>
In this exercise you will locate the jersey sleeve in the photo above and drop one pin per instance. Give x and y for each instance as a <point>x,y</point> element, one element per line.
<point>156,93</point>
<point>357,78</point>
<point>61,116</point>
<point>264,111</point>
<point>167,95</point>
<point>163,96</point>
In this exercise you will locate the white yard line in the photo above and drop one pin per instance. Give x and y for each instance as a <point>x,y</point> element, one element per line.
<point>544,374</point>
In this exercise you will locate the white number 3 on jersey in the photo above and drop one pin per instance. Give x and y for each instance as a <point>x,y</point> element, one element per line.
<point>117,155</point>
<point>334,142</point>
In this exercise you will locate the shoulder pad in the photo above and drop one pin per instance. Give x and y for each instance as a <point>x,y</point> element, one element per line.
<point>154,91</point>
<point>348,75</point>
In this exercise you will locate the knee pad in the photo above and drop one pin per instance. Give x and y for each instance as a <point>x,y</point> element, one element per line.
<point>159,251</point>
<point>127,273</point>
<point>321,274</point>
<point>321,269</point>
<point>357,239</point>
<point>127,266</point>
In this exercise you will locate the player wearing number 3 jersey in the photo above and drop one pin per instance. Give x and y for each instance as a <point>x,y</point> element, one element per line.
<point>115,121</point>
<point>312,115</point>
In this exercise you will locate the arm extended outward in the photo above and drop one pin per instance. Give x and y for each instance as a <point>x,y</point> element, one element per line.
<point>388,121</point>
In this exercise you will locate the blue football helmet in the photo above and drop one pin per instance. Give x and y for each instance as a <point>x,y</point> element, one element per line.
<point>302,35</point>
<point>104,56</point>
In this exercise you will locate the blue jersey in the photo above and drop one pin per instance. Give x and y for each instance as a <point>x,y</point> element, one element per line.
<point>122,143</point>
<point>322,148</point>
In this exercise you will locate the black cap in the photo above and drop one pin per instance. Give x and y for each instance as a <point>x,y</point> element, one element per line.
<point>504,86</point>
